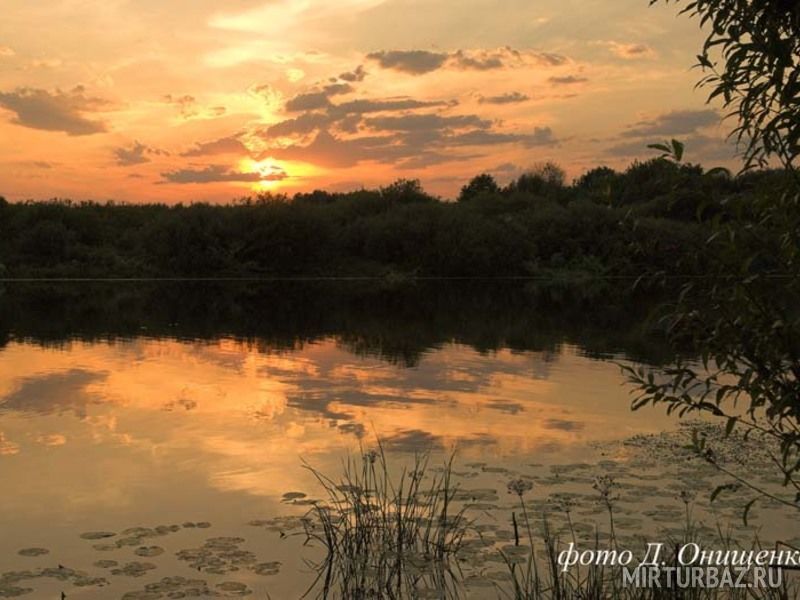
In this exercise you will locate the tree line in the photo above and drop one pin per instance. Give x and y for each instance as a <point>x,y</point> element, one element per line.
<point>605,223</point>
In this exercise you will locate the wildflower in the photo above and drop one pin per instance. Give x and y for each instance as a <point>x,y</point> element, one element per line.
<point>519,486</point>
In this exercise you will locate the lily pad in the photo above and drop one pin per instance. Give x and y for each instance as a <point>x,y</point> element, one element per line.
<point>33,552</point>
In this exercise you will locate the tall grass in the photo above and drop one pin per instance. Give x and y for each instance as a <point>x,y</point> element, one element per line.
<point>599,581</point>
<point>385,537</point>
<point>400,537</point>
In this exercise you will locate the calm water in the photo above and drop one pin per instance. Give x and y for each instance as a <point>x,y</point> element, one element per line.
<point>126,407</point>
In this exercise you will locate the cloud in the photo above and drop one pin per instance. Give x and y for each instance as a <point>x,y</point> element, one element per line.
<point>408,143</point>
<point>309,101</point>
<point>402,131</point>
<point>41,164</point>
<point>567,80</point>
<point>189,108</point>
<point>185,103</point>
<point>541,136</point>
<point>335,89</point>
<point>507,168</point>
<point>326,150</point>
<point>346,116</point>
<point>302,125</point>
<point>419,62</point>
<point>630,51</point>
<point>426,122</point>
<point>214,174</point>
<point>427,159</point>
<point>677,122</point>
<point>135,154</point>
<point>6,52</point>
<point>318,99</point>
<point>483,61</point>
<point>385,105</point>
<point>226,145</point>
<point>58,111</point>
<point>414,62</point>
<point>358,74</point>
<point>508,98</point>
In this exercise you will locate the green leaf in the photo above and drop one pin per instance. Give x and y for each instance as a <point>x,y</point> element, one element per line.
<point>677,150</point>
<point>661,147</point>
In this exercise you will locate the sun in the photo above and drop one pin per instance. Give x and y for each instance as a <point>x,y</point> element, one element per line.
<point>277,174</point>
<point>272,173</point>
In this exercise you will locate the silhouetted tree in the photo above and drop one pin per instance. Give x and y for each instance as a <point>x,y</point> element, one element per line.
<point>541,179</point>
<point>480,184</point>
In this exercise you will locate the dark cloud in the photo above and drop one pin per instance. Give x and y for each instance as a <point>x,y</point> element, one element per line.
<point>386,105</point>
<point>336,89</point>
<point>677,122</point>
<point>58,111</point>
<point>631,51</point>
<point>308,101</point>
<point>135,154</point>
<point>426,122</point>
<point>213,174</point>
<point>480,62</point>
<point>346,115</point>
<point>188,107</point>
<point>419,62</point>
<point>415,62</point>
<point>551,59</point>
<point>508,98</point>
<point>507,168</point>
<point>425,159</point>
<point>42,164</point>
<point>358,74</point>
<point>302,125</point>
<point>413,139</point>
<point>567,80</point>
<point>408,148</point>
<point>637,49</point>
<point>227,145</point>
<point>541,136</point>
<point>327,150</point>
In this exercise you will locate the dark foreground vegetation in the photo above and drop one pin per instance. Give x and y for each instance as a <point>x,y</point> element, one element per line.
<point>650,216</point>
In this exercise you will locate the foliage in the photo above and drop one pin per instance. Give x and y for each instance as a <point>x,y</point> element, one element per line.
<point>535,226</point>
<point>743,315</point>
<point>480,184</point>
<point>758,42</point>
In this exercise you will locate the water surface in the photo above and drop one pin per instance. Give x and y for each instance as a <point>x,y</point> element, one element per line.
<point>161,407</point>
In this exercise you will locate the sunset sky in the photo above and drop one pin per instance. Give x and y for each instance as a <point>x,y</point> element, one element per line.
<point>182,100</point>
